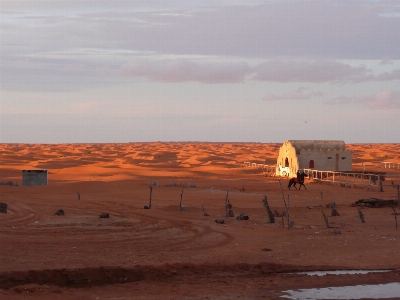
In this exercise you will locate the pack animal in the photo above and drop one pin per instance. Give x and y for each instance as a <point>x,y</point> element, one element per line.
<point>284,171</point>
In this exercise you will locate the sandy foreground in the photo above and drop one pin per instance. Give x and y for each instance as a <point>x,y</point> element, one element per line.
<point>171,253</point>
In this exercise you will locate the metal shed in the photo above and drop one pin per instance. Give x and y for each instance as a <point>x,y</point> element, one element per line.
<point>34,177</point>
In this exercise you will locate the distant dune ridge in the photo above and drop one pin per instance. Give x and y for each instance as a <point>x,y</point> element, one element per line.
<point>124,160</point>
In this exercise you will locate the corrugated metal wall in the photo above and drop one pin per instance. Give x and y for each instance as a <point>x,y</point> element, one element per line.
<point>34,177</point>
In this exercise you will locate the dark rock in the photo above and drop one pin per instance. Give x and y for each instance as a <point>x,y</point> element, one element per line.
<point>3,207</point>
<point>230,214</point>
<point>60,212</point>
<point>241,217</point>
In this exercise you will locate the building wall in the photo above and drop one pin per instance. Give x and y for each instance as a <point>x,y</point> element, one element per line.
<point>329,160</point>
<point>297,155</point>
<point>318,144</point>
<point>287,157</point>
<point>34,177</point>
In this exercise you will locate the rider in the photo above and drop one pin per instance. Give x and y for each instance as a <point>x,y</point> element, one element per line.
<point>298,175</point>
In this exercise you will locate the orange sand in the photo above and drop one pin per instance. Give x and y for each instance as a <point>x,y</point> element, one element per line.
<point>169,253</point>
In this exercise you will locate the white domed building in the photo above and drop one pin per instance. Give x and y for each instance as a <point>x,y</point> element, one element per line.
<point>324,155</point>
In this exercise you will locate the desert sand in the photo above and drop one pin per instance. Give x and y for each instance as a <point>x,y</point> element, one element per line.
<point>174,252</point>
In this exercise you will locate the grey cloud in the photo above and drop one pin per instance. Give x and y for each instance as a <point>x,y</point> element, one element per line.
<point>284,71</point>
<point>53,74</point>
<point>265,29</point>
<point>394,75</point>
<point>307,71</point>
<point>185,70</point>
<point>339,30</point>
<point>386,61</point>
<point>382,100</point>
<point>301,93</point>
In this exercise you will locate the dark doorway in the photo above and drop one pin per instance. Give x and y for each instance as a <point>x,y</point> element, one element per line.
<point>311,164</point>
<point>286,162</point>
<point>337,163</point>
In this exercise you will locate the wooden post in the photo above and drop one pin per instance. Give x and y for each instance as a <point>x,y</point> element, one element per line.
<point>361,215</point>
<point>226,204</point>
<point>204,211</point>
<point>395,214</point>
<point>288,204</point>
<point>284,201</point>
<point>151,191</point>
<point>325,218</point>
<point>180,204</point>
<point>270,214</point>
<point>397,186</point>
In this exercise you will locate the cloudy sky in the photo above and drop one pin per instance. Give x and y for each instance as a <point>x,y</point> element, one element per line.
<point>201,70</point>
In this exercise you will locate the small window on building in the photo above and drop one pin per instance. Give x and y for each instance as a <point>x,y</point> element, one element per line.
<point>330,157</point>
<point>343,157</point>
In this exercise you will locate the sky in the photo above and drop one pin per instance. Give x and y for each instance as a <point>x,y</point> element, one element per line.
<point>263,71</point>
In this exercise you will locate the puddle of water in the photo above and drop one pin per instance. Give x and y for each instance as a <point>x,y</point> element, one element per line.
<point>378,291</point>
<point>339,272</point>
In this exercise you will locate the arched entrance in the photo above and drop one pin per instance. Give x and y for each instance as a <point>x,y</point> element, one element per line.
<point>286,162</point>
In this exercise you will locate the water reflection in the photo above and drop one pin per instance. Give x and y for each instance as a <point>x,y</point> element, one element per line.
<point>339,272</point>
<point>378,291</point>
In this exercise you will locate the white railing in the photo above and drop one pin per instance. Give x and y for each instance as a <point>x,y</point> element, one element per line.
<point>390,165</point>
<point>265,168</point>
<point>346,178</point>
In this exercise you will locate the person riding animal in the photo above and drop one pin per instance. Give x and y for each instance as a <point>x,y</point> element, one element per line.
<point>299,180</point>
